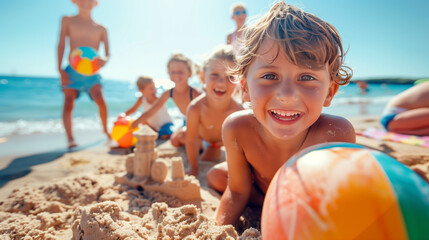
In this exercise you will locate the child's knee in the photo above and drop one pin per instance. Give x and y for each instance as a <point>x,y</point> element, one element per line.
<point>176,142</point>
<point>69,103</point>
<point>217,179</point>
<point>96,94</point>
<point>178,139</point>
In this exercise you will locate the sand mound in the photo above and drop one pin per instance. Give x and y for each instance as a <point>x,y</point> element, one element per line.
<point>88,204</point>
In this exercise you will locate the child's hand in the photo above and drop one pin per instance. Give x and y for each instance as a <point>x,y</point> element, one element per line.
<point>64,78</point>
<point>192,171</point>
<point>135,124</point>
<point>100,62</point>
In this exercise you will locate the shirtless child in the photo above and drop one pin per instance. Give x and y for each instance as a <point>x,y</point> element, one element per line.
<point>291,68</point>
<point>81,30</point>
<point>206,113</point>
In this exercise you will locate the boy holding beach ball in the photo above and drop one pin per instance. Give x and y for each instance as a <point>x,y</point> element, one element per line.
<point>290,69</point>
<point>84,36</point>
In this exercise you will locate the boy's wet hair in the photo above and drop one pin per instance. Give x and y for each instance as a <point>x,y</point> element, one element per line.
<point>178,57</point>
<point>308,41</point>
<point>223,52</point>
<point>142,81</point>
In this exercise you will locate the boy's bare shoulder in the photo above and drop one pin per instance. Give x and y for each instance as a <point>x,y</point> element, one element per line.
<point>242,119</point>
<point>66,19</point>
<point>198,102</point>
<point>334,128</point>
<point>100,26</point>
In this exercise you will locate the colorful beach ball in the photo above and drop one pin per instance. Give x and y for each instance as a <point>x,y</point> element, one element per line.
<point>345,191</point>
<point>84,60</point>
<point>122,132</point>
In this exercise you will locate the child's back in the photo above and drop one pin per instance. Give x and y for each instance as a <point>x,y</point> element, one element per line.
<point>412,98</point>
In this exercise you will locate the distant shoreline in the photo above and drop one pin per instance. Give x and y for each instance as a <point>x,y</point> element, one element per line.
<point>388,80</point>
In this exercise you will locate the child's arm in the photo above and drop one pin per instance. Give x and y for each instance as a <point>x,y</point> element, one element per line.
<point>192,138</point>
<point>102,61</point>
<point>60,51</point>
<point>151,111</point>
<point>134,108</point>
<point>237,193</point>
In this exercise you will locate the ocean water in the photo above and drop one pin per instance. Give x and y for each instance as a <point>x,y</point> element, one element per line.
<point>31,105</point>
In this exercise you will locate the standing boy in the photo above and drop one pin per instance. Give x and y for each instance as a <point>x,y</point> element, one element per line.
<point>81,30</point>
<point>239,15</point>
<point>291,68</point>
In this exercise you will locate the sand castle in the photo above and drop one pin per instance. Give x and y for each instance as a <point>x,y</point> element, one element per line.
<point>166,174</point>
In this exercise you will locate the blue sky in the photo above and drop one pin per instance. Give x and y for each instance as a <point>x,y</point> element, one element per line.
<point>386,38</point>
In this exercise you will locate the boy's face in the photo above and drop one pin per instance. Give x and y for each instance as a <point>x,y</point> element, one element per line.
<point>286,99</point>
<point>218,84</point>
<point>239,15</point>
<point>179,72</point>
<point>149,90</point>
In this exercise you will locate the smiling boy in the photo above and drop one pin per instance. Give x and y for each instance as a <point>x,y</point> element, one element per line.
<point>291,68</point>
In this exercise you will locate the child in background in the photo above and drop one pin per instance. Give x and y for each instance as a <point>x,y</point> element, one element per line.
<point>81,30</point>
<point>239,15</point>
<point>161,120</point>
<point>291,68</point>
<point>180,70</point>
<point>206,113</point>
<point>408,112</point>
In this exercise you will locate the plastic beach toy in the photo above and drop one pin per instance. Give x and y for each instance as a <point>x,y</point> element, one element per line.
<point>122,132</point>
<point>84,60</point>
<point>345,191</point>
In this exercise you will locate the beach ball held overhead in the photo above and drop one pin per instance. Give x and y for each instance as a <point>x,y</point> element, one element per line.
<point>84,60</point>
<point>122,132</point>
<point>345,191</point>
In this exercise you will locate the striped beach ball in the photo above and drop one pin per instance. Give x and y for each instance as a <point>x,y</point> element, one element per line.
<point>345,191</point>
<point>84,60</point>
<point>122,132</point>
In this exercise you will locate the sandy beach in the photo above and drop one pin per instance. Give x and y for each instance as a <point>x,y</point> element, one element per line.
<point>49,193</point>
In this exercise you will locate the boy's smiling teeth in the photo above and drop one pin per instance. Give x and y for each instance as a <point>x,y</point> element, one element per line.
<point>219,91</point>
<point>285,115</point>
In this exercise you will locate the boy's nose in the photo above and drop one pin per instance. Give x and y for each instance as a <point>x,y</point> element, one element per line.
<point>286,92</point>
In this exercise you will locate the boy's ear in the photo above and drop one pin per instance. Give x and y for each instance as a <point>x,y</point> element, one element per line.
<point>245,91</point>
<point>333,88</point>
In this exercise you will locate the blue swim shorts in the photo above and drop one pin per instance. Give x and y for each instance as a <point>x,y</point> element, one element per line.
<point>81,83</point>
<point>166,129</point>
<point>389,114</point>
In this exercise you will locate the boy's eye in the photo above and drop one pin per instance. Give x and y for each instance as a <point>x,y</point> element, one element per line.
<point>231,78</point>
<point>270,76</point>
<point>307,78</point>
<point>214,75</point>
